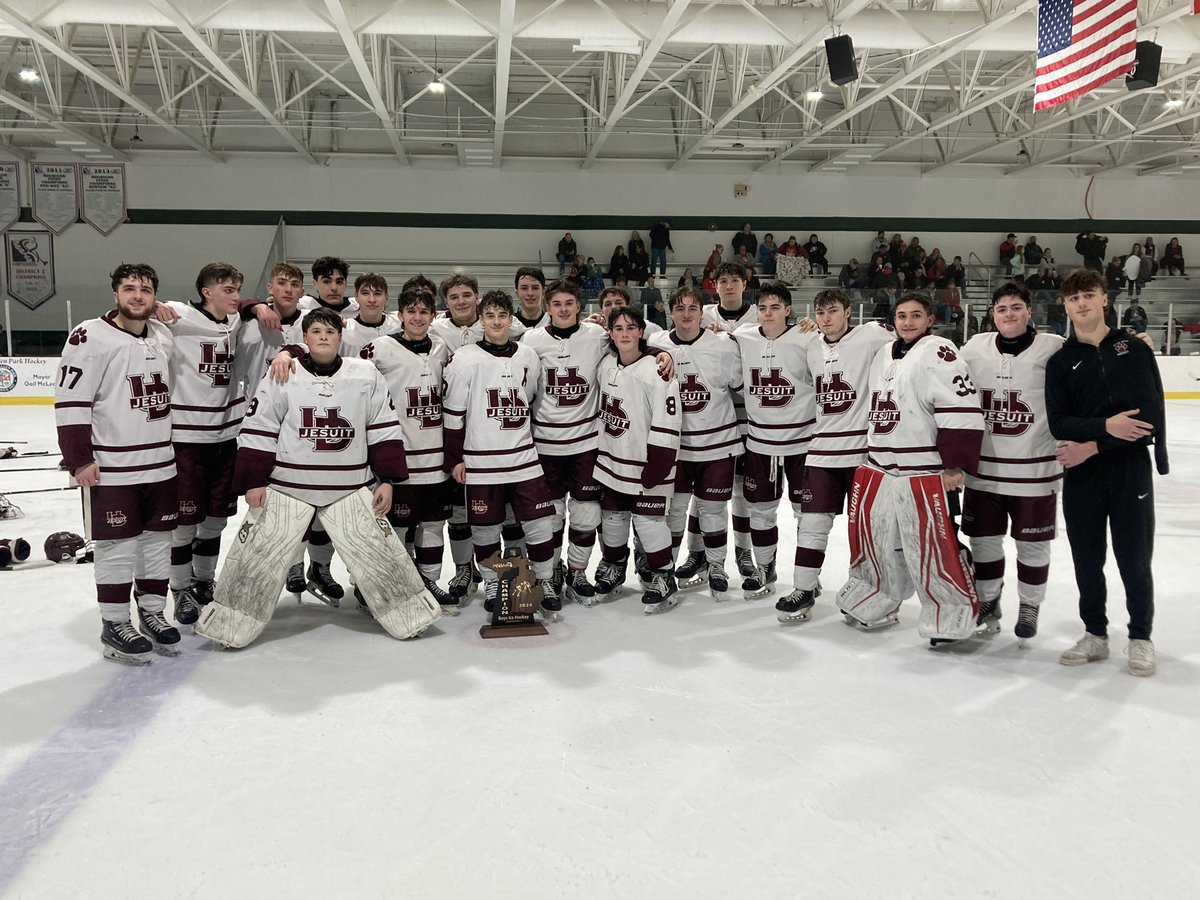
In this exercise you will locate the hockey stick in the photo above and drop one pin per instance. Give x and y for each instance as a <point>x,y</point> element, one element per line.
<point>4,471</point>
<point>39,490</point>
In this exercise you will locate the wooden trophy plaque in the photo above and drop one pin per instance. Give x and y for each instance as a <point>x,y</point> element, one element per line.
<point>519,598</point>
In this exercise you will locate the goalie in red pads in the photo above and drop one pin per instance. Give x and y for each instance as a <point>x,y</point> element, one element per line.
<point>925,427</point>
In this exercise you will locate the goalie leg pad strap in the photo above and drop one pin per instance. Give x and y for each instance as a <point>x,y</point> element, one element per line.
<point>381,569</point>
<point>255,570</point>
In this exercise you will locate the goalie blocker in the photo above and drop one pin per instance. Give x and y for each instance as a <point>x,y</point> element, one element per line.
<point>256,568</point>
<point>900,539</point>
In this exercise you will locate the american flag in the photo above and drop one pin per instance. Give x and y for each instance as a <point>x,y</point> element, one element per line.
<point>1081,45</point>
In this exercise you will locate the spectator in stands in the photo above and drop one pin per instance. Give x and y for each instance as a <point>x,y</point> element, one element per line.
<point>746,260</point>
<point>1008,250</point>
<point>895,251</point>
<point>766,255</point>
<point>708,285</point>
<point>1047,262</point>
<point>635,244</point>
<point>652,303</point>
<point>1134,318</point>
<point>936,270</point>
<point>1150,252</point>
<point>1051,280</point>
<point>639,259</point>
<point>1172,259</point>
<point>745,240</point>
<point>688,278</point>
<point>956,273</point>
<point>660,243</point>
<point>817,253</point>
<point>1032,254</point>
<point>1056,315</point>
<point>888,279</point>
<point>618,265</point>
<point>793,248</point>
<point>879,244</point>
<point>716,257</point>
<point>1137,270</point>
<point>1093,248</point>
<point>1115,276</point>
<point>1172,335</point>
<point>567,252</point>
<point>957,317</point>
<point>853,275</point>
<point>593,276</point>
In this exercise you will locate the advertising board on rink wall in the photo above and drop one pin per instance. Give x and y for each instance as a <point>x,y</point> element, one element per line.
<point>27,379</point>
<point>31,379</point>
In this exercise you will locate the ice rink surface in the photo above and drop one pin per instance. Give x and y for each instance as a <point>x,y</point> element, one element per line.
<point>706,752</point>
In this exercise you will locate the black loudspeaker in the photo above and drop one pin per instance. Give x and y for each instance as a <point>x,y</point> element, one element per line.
<point>1145,68</point>
<point>840,53</point>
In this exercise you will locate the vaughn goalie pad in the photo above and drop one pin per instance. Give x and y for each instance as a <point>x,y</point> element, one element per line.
<point>879,580</point>
<point>937,562</point>
<point>380,566</point>
<point>255,571</point>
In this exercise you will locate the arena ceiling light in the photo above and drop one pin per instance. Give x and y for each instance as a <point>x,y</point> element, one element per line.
<point>29,74</point>
<point>1173,103</point>
<point>814,95</point>
<point>629,48</point>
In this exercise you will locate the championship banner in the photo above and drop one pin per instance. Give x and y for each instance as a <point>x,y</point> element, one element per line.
<point>55,195</point>
<point>103,192</point>
<point>10,194</point>
<point>27,379</point>
<point>29,266</point>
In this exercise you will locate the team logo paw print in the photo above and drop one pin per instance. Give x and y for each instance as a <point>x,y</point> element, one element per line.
<point>367,352</point>
<point>78,336</point>
<point>947,354</point>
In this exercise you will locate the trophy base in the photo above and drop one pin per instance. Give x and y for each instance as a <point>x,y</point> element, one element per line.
<point>531,629</point>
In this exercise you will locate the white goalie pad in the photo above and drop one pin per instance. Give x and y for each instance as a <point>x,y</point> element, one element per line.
<point>255,570</point>
<point>379,565</point>
<point>879,580</point>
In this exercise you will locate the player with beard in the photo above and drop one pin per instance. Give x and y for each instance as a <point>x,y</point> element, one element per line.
<point>1017,480</point>
<point>372,321</point>
<point>112,406</point>
<point>840,362</point>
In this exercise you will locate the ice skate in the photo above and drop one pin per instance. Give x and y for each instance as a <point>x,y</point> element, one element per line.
<point>610,577</point>
<point>322,586</point>
<point>551,602</point>
<point>462,585</point>
<point>645,574</point>
<point>1089,648</point>
<point>88,555</point>
<point>745,561</point>
<point>878,625</point>
<point>491,593</point>
<point>162,634</point>
<point>1027,621</point>
<point>988,620</point>
<point>122,643</point>
<point>361,602</point>
<point>187,611</point>
<point>579,589</point>
<point>1141,658</point>
<point>447,601</point>
<point>202,591</point>
<point>718,582</point>
<point>559,579</point>
<point>760,583</point>
<point>691,571</point>
<point>796,606</point>
<point>663,593</point>
<point>295,580</point>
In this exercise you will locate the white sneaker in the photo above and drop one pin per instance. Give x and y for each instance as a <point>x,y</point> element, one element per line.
<point>1141,657</point>
<point>1090,648</point>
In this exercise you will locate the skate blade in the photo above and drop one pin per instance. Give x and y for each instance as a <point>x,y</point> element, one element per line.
<point>550,615</point>
<point>690,582</point>
<point>721,596</point>
<point>448,610</point>
<point>759,594</point>
<point>324,598</point>
<point>128,659</point>
<point>795,618</point>
<point>653,609</point>
<point>991,626</point>
<point>871,626</point>
<point>952,643</point>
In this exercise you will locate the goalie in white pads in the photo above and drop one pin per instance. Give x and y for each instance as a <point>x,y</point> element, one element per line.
<point>640,419</point>
<point>925,429</point>
<point>1018,478</point>
<point>316,444</point>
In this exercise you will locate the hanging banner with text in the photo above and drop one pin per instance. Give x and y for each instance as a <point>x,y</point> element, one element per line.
<point>10,194</point>
<point>29,266</point>
<point>55,195</point>
<point>103,192</point>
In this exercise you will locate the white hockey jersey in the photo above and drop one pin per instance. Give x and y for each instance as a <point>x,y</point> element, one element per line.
<point>841,376</point>
<point>349,311</point>
<point>206,397</point>
<point>924,414</point>
<point>319,438</point>
<point>1017,457</point>
<point>257,346</point>
<point>112,404</point>
<point>640,418</point>
<point>709,371</point>
<point>414,379</point>
<point>540,322</point>
<point>357,335</point>
<point>711,314</point>
<point>778,390</point>
<point>564,417</point>
<point>486,404</point>
<point>456,336</point>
